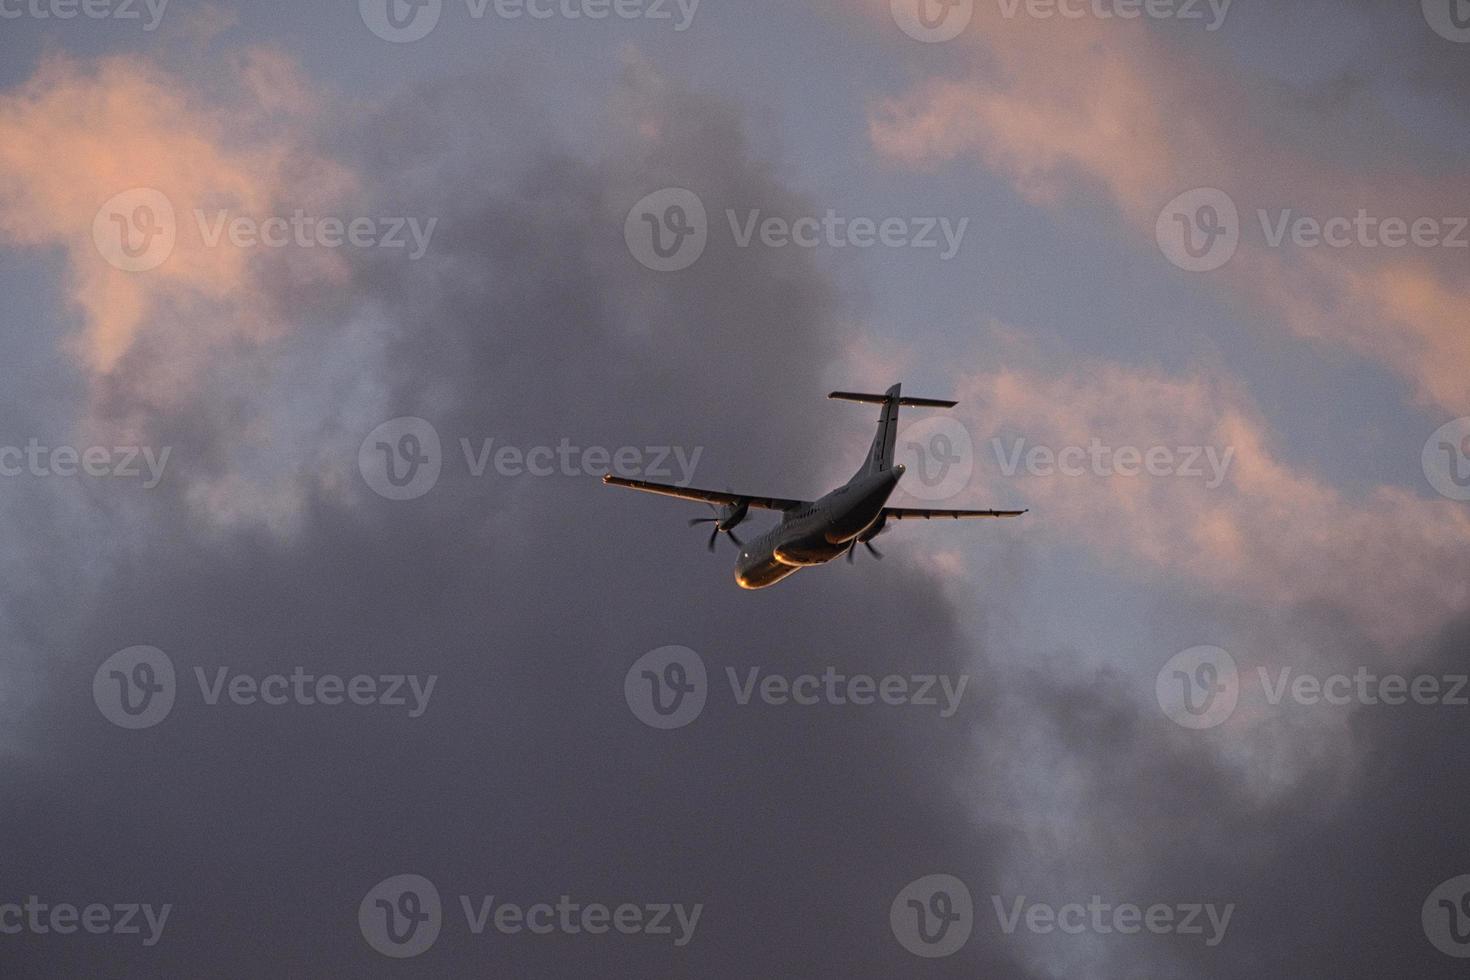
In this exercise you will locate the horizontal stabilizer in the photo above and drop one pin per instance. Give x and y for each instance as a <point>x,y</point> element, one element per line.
<point>858,396</point>
<point>929,514</point>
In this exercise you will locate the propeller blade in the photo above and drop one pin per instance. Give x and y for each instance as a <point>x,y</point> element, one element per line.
<point>703,520</point>
<point>712,535</point>
<point>738,542</point>
<point>850,552</point>
<point>876,553</point>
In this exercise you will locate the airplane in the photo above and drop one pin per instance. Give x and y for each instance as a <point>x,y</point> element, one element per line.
<point>813,532</point>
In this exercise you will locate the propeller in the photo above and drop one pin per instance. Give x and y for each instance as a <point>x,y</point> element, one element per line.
<point>725,519</point>
<point>866,539</point>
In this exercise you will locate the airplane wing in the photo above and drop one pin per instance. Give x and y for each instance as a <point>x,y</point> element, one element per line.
<point>708,496</point>
<point>926,514</point>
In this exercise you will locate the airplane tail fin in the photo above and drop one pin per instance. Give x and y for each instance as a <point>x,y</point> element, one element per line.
<point>880,454</point>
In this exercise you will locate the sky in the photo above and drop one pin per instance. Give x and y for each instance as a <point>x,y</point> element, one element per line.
<point>325,651</point>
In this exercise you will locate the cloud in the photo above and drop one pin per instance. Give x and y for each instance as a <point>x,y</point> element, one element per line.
<point>77,134</point>
<point>528,778</point>
<point>1064,108</point>
<point>1270,534</point>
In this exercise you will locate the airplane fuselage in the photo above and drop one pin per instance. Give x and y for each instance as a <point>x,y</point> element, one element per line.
<point>817,532</point>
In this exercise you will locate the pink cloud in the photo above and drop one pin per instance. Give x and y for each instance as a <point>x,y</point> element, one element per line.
<point>1057,107</point>
<point>1396,564</point>
<point>75,135</point>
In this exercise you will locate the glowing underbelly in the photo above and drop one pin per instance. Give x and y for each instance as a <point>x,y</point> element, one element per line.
<point>758,575</point>
<point>808,551</point>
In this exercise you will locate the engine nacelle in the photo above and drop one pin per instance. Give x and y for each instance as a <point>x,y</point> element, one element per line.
<point>731,515</point>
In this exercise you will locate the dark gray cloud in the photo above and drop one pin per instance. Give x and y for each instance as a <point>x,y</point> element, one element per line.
<point>528,777</point>
<point>1329,876</point>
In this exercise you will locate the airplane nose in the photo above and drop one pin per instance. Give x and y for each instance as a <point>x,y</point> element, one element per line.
<point>900,469</point>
